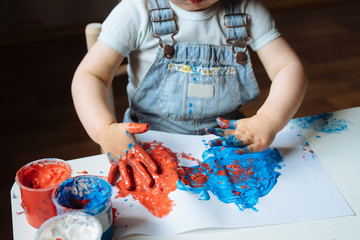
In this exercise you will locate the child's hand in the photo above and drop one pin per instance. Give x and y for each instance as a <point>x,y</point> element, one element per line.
<point>255,133</point>
<point>124,153</point>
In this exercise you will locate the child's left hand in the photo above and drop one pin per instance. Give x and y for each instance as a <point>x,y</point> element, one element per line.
<point>255,133</point>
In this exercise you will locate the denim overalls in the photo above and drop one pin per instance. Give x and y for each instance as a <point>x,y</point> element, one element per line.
<point>190,85</point>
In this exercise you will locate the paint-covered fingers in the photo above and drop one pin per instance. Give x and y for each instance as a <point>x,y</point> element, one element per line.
<point>227,127</point>
<point>219,131</point>
<point>137,128</point>
<point>141,171</point>
<point>216,131</point>
<point>224,123</point>
<point>146,159</point>
<point>114,170</point>
<point>258,145</point>
<point>257,132</point>
<point>126,174</point>
<point>112,176</point>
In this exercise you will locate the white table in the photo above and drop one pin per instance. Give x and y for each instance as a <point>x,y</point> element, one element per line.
<point>338,153</point>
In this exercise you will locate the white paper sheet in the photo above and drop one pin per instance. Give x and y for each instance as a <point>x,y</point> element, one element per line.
<point>304,192</point>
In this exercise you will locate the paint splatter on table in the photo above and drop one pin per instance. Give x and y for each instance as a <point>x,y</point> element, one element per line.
<point>325,123</point>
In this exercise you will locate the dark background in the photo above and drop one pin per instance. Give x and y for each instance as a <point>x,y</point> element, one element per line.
<point>42,42</point>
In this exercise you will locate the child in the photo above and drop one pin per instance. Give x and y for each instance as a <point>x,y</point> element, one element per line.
<point>188,65</point>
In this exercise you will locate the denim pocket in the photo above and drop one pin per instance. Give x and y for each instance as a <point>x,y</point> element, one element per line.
<point>195,93</point>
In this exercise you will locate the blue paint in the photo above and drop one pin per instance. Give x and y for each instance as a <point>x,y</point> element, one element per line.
<point>233,177</point>
<point>111,157</point>
<point>215,131</point>
<point>227,141</point>
<point>224,123</point>
<point>325,123</point>
<point>93,191</point>
<point>128,134</point>
<point>190,106</point>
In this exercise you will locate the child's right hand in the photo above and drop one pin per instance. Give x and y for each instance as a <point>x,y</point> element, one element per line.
<point>123,152</point>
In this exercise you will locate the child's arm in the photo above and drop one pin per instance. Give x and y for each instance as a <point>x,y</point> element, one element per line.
<point>89,91</point>
<point>289,83</point>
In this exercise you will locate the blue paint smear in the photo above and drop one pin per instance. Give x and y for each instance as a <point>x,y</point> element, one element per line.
<point>325,123</point>
<point>233,177</point>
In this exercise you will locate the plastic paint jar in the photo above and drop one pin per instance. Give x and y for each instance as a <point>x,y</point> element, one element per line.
<point>70,226</point>
<point>88,194</point>
<point>37,180</point>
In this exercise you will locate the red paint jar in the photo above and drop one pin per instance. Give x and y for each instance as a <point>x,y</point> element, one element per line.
<point>37,180</point>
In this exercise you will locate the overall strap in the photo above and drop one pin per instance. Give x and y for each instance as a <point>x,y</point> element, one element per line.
<point>162,17</point>
<point>236,25</point>
<point>163,22</point>
<point>236,22</point>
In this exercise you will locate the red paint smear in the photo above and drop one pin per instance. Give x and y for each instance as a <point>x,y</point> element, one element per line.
<point>196,179</point>
<point>156,198</point>
<point>136,128</point>
<point>239,174</point>
<point>224,123</point>
<point>83,172</point>
<point>114,213</point>
<point>187,156</point>
<point>40,176</point>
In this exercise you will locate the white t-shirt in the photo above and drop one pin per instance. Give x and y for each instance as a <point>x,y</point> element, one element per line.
<point>128,30</point>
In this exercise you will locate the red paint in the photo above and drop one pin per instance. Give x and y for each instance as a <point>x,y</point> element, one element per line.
<point>113,173</point>
<point>196,179</point>
<point>187,156</point>
<point>125,172</point>
<point>39,176</point>
<point>146,159</point>
<point>136,128</point>
<point>114,213</point>
<point>224,123</point>
<point>134,159</point>
<point>37,181</point>
<point>83,172</point>
<point>156,198</point>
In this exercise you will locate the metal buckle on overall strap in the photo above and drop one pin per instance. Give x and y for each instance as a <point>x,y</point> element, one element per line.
<point>168,50</point>
<point>240,56</point>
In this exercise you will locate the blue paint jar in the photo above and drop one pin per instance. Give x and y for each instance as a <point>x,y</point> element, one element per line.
<point>88,194</point>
